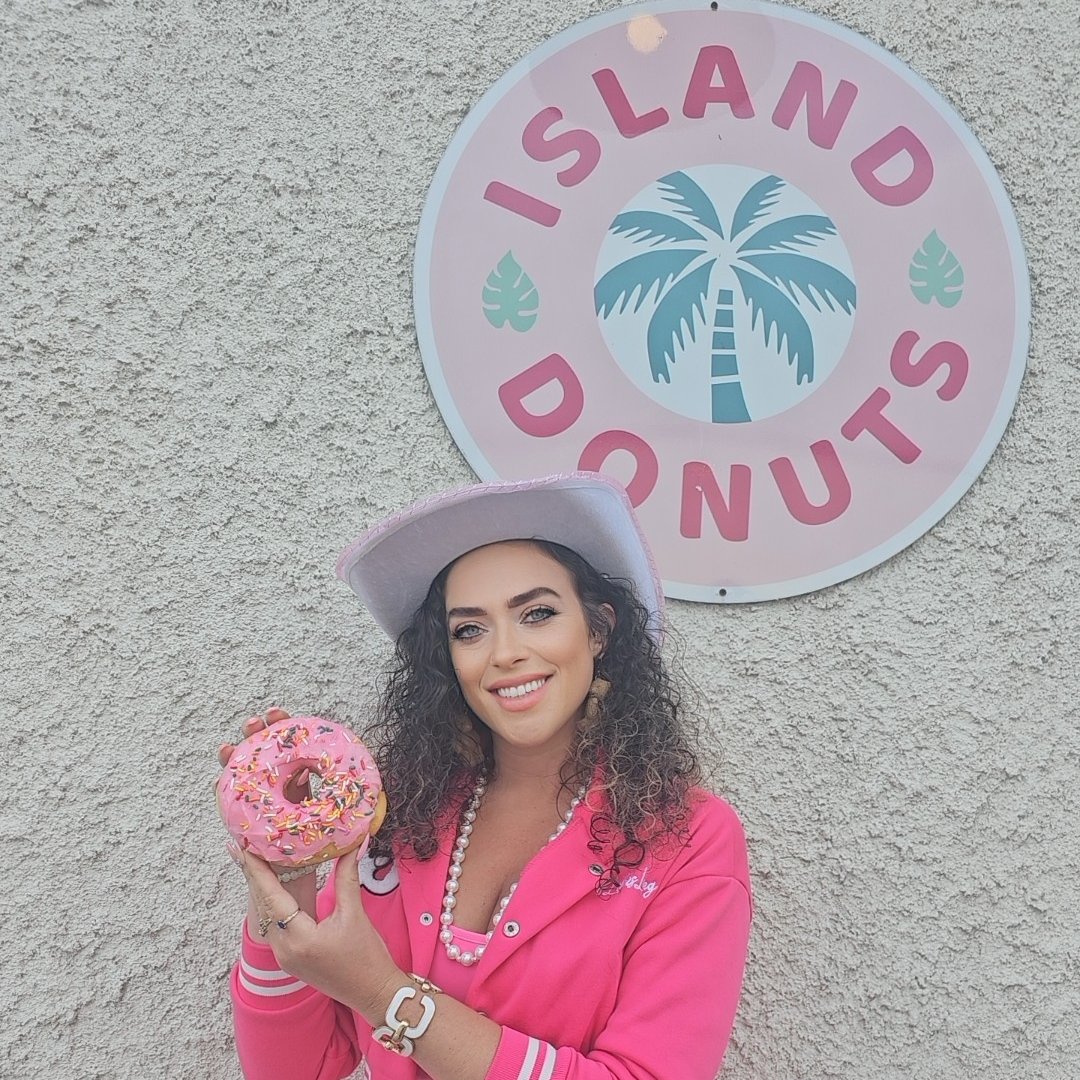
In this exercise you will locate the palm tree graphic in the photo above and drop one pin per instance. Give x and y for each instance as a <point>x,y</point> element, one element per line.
<point>767,267</point>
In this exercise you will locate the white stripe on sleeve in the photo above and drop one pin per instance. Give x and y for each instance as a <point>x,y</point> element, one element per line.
<point>262,973</point>
<point>530,1059</point>
<point>270,991</point>
<point>549,1062</point>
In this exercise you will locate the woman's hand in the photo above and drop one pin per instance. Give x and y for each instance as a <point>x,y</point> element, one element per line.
<point>343,955</point>
<point>248,728</point>
<point>302,889</point>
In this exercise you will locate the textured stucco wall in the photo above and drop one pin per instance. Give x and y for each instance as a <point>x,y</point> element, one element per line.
<point>209,382</point>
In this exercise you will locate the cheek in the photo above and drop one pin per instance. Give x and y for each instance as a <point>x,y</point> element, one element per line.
<point>461,669</point>
<point>467,671</point>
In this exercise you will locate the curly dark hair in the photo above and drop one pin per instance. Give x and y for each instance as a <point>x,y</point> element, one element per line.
<point>431,745</point>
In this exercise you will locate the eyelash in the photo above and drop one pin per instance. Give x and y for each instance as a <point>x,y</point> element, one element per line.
<point>461,633</point>
<point>543,609</point>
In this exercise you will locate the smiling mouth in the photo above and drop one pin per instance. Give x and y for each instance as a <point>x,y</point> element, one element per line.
<point>522,690</point>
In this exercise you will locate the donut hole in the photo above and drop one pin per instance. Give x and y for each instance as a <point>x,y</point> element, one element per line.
<point>295,792</point>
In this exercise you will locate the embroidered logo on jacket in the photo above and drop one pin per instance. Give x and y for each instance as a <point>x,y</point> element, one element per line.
<point>640,881</point>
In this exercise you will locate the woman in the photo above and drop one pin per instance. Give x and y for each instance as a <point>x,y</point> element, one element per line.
<point>550,895</point>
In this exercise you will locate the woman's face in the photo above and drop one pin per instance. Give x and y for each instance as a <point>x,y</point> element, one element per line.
<point>520,644</point>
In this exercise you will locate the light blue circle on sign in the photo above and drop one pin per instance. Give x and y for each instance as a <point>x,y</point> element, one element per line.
<point>725,293</point>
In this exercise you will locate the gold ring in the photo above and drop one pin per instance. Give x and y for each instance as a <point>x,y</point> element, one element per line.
<point>283,923</point>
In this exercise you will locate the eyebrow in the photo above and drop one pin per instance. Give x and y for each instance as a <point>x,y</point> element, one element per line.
<point>513,602</point>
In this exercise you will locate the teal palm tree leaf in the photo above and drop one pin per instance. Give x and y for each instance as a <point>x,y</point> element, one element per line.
<point>640,275</point>
<point>803,230</point>
<point>510,296</point>
<point>755,204</point>
<point>811,277</point>
<point>641,225</point>
<point>675,315</point>
<point>690,199</point>
<point>778,313</point>
<point>936,274</point>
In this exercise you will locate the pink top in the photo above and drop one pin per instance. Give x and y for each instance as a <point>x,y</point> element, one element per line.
<point>656,968</point>
<point>450,976</point>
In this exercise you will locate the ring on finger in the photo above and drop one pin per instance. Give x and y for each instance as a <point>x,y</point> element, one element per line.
<point>283,923</point>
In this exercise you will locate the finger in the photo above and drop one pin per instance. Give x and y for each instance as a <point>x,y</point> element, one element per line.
<point>234,852</point>
<point>276,713</point>
<point>296,787</point>
<point>273,902</point>
<point>251,725</point>
<point>347,878</point>
<point>268,893</point>
<point>225,752</point>
<point>296,922</point>
<point>262,878</point>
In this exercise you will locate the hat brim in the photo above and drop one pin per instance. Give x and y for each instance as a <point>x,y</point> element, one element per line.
<point>392,565</point>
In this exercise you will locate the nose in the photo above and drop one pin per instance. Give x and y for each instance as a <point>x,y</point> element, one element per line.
<point>507,646</point>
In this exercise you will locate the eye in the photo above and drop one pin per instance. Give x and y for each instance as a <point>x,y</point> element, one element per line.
<point>538,614</point>
<point>465,632</point>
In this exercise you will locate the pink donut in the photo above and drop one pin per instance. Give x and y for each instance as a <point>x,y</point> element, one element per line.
<point>260,817</point>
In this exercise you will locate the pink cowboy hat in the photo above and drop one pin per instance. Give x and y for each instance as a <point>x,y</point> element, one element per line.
<point>391,566</point>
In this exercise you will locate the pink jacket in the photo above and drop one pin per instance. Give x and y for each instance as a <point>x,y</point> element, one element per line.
<point>642,985</point>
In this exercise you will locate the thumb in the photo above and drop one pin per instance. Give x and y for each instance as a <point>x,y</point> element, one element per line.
<point>347,877</point>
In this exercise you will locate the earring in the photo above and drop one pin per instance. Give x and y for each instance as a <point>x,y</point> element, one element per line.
<point>597,693</point>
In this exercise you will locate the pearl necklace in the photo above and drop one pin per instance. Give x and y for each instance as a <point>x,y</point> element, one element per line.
<point>457,860</point>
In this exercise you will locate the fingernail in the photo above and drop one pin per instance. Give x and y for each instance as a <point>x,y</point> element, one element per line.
<point>234,853</point>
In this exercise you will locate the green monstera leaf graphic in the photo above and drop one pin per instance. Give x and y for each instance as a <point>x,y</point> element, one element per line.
<point>936,274</point>
<point>510,297</point>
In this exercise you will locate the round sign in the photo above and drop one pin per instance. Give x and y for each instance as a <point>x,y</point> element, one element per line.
<point>742,260</point>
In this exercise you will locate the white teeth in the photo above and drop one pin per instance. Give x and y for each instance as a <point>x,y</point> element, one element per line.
<point>520,691</point>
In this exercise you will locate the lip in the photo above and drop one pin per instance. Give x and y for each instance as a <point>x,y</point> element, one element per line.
<point>526,701</point>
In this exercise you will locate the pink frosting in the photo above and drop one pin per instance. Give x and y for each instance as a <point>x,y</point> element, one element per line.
<point>262,820</point>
